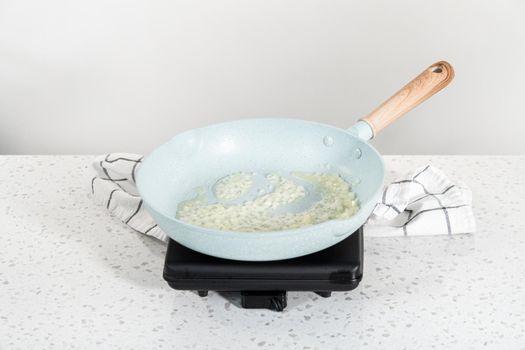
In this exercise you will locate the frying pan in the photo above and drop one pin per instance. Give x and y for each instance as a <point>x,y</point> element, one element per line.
<point>203,155</point>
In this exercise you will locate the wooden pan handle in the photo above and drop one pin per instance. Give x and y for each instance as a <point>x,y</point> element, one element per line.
<point>426,84</point>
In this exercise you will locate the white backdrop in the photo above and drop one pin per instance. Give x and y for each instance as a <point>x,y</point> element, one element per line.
<point>113,75</point>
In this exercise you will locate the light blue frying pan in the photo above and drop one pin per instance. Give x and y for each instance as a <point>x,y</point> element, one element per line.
<point>205,155</point>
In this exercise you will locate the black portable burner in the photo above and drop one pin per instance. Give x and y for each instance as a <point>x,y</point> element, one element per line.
<point>264,284</point>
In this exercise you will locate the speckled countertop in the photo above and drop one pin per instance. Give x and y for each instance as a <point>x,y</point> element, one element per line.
<point>73,277</point>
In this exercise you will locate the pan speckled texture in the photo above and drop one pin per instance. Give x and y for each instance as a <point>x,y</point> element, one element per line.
<point>204,155</point>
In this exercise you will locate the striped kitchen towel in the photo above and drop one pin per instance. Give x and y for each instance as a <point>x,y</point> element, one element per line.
<point>114,187</point>
<point>424,202</point>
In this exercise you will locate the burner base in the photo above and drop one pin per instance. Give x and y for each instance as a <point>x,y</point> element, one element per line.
<point>264,284</point>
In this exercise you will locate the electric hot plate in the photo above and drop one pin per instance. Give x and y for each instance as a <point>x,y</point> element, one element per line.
<point>264,284</point>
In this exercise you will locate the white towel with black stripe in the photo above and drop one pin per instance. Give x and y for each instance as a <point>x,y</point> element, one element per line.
<point>424,202</point>
<point>114,187</point>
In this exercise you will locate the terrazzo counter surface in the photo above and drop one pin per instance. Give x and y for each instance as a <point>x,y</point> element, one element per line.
<point>73,277</point>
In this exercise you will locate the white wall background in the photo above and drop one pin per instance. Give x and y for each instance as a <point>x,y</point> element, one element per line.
<point>125,75</point>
